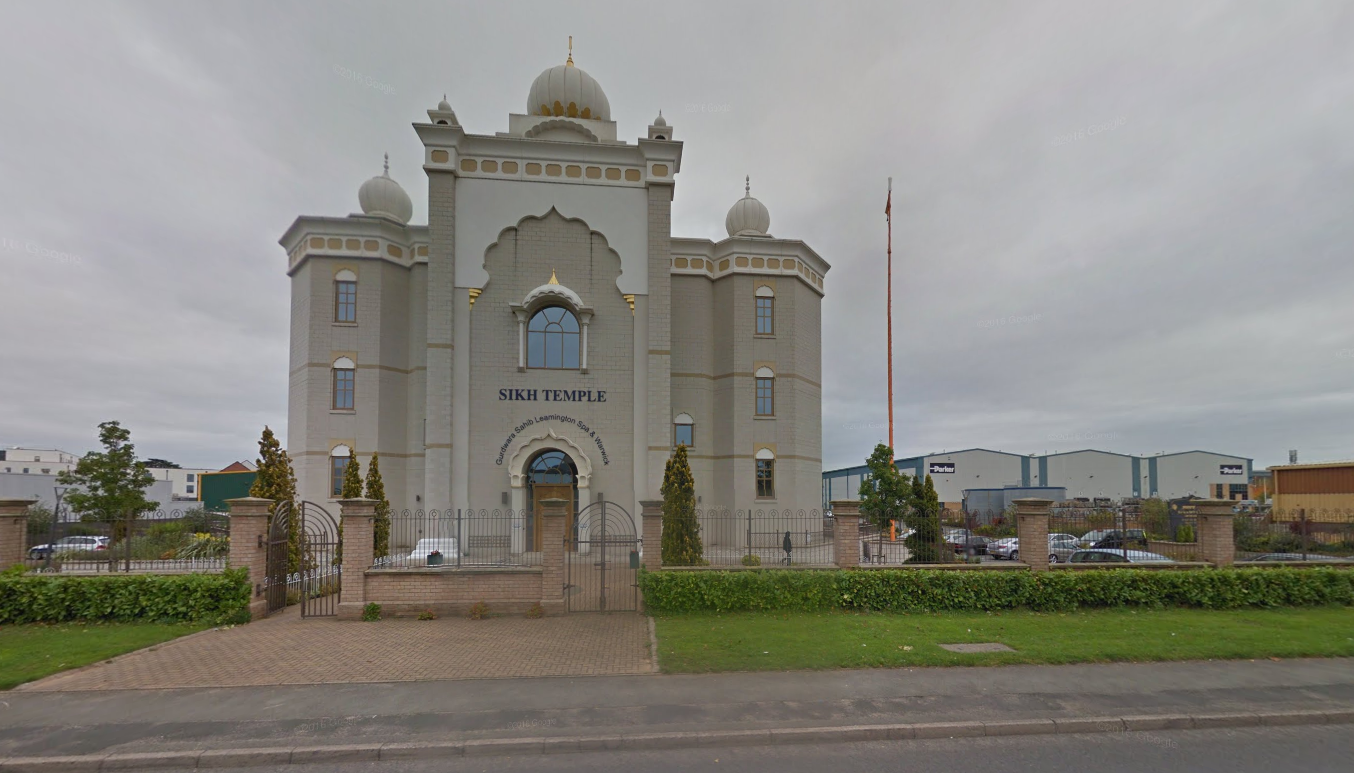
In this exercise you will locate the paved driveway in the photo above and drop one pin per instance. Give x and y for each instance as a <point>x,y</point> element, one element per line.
<point>285,649</point>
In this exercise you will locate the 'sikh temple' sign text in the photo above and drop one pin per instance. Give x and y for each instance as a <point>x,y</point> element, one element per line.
<point>554,395</point>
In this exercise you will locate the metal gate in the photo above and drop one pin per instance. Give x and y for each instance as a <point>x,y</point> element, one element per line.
<point>311,577</point>
<point>601,560</point>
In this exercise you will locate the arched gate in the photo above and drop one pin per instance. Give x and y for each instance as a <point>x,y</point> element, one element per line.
<point>305,557</point>
<point>601,560</point>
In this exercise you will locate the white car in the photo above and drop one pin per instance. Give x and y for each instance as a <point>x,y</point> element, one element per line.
<point>69,545</point>
<point>444,545</point>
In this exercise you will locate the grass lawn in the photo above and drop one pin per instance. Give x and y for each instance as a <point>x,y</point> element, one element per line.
<point>29,652</point>
<point>751,641</point>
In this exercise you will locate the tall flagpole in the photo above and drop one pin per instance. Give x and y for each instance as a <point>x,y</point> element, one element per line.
<point>888,216</point>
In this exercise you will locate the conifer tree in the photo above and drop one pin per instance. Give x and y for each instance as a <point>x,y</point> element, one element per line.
<point>376,490</point>
<point>275,480</point>
<point>924,544</point>
<point>352,489</point>
<point>681,531</point>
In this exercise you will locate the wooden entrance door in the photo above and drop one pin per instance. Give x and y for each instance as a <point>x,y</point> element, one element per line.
<point>543,491</point>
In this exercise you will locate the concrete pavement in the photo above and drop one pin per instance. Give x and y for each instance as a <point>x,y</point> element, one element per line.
<point>462,717</point>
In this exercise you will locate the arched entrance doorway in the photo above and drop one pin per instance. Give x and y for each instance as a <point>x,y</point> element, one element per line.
<point>550,474</point>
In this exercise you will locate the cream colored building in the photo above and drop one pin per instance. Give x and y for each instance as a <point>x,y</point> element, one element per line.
<point>546,328</point>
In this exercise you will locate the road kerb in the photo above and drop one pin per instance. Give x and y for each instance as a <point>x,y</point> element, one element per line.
<point>240,758</point>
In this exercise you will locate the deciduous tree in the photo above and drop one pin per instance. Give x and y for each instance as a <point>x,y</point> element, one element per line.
<point>110,485</point>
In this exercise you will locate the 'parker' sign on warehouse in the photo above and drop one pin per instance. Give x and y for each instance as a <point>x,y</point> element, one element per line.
<point>1232,469</point>
<point>941,468</point>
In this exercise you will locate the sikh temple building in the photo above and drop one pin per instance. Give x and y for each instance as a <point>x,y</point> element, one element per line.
<point>545,334</point>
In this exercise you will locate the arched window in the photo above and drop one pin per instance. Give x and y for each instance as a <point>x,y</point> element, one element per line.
<point>766,310</point>
<point>683,430</point>
<point>345,296</point>
<point>766,473</point>
<point>345,384</point>
<point>552,339</point>
<point>338,463</point>
<point>766,391</point>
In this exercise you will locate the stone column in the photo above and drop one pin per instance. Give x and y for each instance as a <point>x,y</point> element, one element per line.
<point>1213,526</point>
<point>846,532</point>
<point>249,547</point>
<point>13,530</point>
<point>651,515</point>
<point>1032,530</point>
<point>553,555</point>
<point>358,517</point>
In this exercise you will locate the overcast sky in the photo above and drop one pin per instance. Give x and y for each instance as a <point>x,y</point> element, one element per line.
<point>1125,226</point>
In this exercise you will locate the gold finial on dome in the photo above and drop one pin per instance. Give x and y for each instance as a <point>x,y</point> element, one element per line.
<point>553,280</point>
<point>570,63</point>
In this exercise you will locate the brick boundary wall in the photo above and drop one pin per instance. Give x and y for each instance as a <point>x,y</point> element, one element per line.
<point>846,532</point>
<point>249,547</point>
<point>407,592</point>
<point>1032,516</point>
<point>1214,523</point>
<point>14,531</point>
<point>651,518</point>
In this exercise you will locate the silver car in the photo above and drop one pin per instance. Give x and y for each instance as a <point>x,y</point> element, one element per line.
<point>1061,547</point>
<point>1106,556</point>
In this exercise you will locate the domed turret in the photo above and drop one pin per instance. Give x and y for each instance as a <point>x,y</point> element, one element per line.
<point>565,90</point>
<point>660,120</point>
<point>748,216</point>
<point>383,196</point>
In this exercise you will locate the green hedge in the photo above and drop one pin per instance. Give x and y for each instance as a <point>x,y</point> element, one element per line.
<point>922,590</point>
<point>199,598</point>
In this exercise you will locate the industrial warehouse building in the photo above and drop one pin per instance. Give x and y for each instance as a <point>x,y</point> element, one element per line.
<point>545,335</point>
<point>1320,489</point>
<point>1087,474</point>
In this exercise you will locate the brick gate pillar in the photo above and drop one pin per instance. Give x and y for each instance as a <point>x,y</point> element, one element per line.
<point>1214,520</point>
<point>553,555</point>
<point>249,547</point>
<point>13,530</point>
<point>846,532</point>
<point>1032,530</point>
<point>651,515</point>
<point>358,519</point>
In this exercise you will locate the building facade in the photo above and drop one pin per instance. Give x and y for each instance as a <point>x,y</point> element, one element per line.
<point>545,334</point>
<point>36,461</point>
<point>1322,491</point>
<point>1088,474</point>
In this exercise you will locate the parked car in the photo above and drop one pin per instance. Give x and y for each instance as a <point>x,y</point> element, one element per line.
<point>1004,547</point>
<point>1114,538</point>
<point>1061,547</point>
<point>972,544</point>
<point>1295,557</point>
<point>69,545</point>
<point>1097,556</point>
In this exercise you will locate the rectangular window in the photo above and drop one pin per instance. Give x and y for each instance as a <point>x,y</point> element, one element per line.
<point>765,318</point>
<point>345,301</point>
<point>765,397</point>
<point>766,478</point>
<point>337,464</point>
<point>682,435</point>
<point>192,489</point>
<point>46,471</point>
<point>343,388</point>
<point>192,477</point>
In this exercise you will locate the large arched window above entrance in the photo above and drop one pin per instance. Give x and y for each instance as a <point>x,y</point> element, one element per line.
<point>552,467</point>
<point>552,328</point>
<point>553,339</point>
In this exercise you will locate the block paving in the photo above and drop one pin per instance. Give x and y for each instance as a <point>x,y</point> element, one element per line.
<point>286,649</point>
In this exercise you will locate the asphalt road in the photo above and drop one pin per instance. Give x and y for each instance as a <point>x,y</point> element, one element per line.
<point>1260,750</point>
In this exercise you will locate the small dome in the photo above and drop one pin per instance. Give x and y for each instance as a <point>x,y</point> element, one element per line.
<point>748,216</point>
<point>660,120</point>
<point>383,196</point>
<point>565,90</point>
<point>444,105</point>
<point>553,289</point>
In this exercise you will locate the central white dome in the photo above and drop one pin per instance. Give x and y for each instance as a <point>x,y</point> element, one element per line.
<point>565,90</point>
<point>383,196</point>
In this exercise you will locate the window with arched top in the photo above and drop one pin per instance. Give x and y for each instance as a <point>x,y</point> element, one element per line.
<point>552,339</point>
<point>765,380</point>
<point>344,384</point>
<point>766,310</point>
<point>766,473</point>
<point>345,296</point>
<point>339,457</point>
<point>683,430</point>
